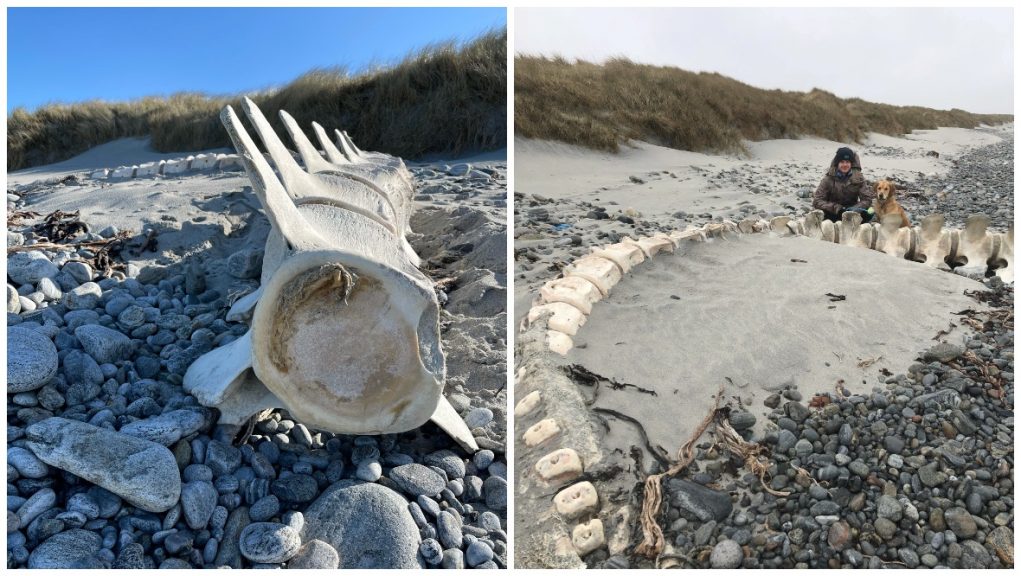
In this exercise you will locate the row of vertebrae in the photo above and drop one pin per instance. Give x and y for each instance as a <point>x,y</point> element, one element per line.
<point>568,300</point>
<point>344,327</point>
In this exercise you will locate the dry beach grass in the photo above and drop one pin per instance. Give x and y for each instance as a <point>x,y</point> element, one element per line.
<point>602,106</point>
<point>443,99</point>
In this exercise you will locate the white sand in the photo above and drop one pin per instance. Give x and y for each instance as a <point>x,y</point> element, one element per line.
<point>746,312</point>
<point>559,170</point>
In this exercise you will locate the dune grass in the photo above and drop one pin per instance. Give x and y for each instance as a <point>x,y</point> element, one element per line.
<point>602,106</point>
<point>441,99</point>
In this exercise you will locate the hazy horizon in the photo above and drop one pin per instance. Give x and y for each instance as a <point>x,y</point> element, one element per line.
<point>900,56</point>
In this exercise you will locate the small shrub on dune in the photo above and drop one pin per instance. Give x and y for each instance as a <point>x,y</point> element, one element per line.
<point>604,106</point>
<point>442,99</point>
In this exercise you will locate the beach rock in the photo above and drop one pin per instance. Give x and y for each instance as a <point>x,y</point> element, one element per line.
<point>74,548</point>
<point>452,560</point>
<point>30,267</point>
<point>13,300</point>
<point>478,553</point>
<point>368,524</point>
<point>416,480</point>
<point>742,420</point>
<point>168,428</point>
<point>269,542</point>
<point>315,555</point>
<point>84,297</point>
<point>495,491</point>
<point>961,522</point>
<point>1001,541</point>
<point>265,508</point>
<point>143,473</point>
<point>132,557</point>
<point>31,359</point>
<point>222,458</point>
<point>447,461</point>
<point>27,465</point>
<point>229,553</point>
<point>478,417</point>
<point>50,289</point>
<point>942,352</point>
<point>106,346</point>
<point>245,263</point>
<point>448,530</point>
<point>81,272</point>
<point>198,499</point>
<point>726,554</point>
<point>40,502</point>
<point>706,504</point>
<point>297,488</point>
<point>431,551</point>
<point>889,508</point>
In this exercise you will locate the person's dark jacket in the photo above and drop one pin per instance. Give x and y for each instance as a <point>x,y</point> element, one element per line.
<point>835,194</point>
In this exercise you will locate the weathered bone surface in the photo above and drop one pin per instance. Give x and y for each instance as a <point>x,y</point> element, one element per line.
<point>345,328</point>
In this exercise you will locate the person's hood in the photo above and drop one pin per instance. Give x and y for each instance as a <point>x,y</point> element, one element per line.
<point>855,166</point>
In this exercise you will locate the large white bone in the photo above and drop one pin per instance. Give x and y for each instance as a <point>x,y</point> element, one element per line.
<point>563,317</point>
<point>573,290</point>
<point>933,242</point>
<point>345,334</point>
<point>625,256</point>
<point>599,271</point>
<point>976,245</point>
<point>811,225</point>
<point>853,233</point>
<point>894,240</point>
<point>1005,258</point>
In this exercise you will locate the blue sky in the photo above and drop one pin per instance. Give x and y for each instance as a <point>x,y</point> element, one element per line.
<point>117,54</point>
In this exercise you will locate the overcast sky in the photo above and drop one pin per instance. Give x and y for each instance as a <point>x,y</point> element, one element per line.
<point>934,57</point>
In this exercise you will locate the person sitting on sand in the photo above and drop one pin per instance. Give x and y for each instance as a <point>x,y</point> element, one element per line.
<point>843,188</point>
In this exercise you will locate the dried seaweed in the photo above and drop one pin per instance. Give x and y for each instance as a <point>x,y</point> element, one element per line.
<point>59,226</point>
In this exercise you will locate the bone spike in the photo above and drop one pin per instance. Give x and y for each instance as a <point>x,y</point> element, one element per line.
<point>242,310</point>
<point>283,215</point>
<point>206,375</point>
<point>933,241</point>
<point>450,422</point>
<point>779,225</point>
<point>976,245</point>
<point>358,151</point>
<point>309,155</point>
<point>294,178</point>
<point>828,231</point>
<point>345,146</point>
<point>332,154</point>
<point>891,238</point>
<point>1006,256</point>
<point>812,224</point>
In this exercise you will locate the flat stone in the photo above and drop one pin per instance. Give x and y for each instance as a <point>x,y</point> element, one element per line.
<point>269,542</point>
<point>942,352</point>
<point>167,428</point>
<point>742,420</point>
<point>143,473</point>
<point>31,359</point>
<point>229,553</point>
<point>1001,541</point>
<point>416,480</point>
<point>73,548</point>
<point>297,488</point>
<point>368,524</point>
<point>106,346</point>
<point>706,504</point>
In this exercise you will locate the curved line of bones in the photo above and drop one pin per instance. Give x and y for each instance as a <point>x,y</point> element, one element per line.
<point>344,328</point>
<point>567,301</point>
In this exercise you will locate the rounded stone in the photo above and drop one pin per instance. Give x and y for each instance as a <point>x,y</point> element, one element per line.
<point>198,499</point>
<point>269,542</point>
<point>961,522</point>
<point>73,548</point>
<point>30,267</point>
<point>315,555</point>
<point>84,297</point>
<point>478,552</point>
<point>726,554</point>
<point>417,480</point>
<point>103,344</point>
<point>31,359</point>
